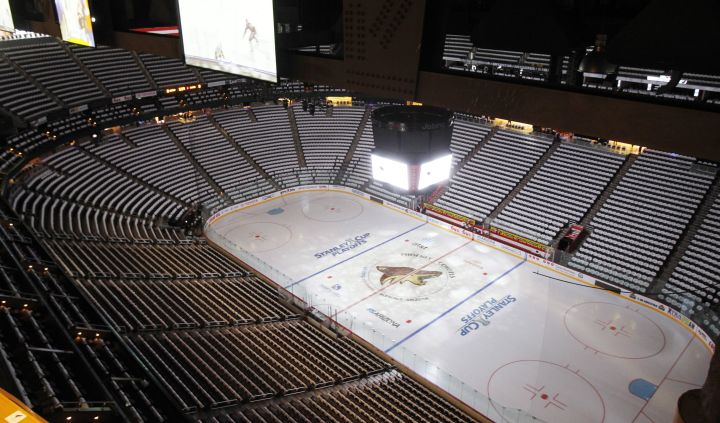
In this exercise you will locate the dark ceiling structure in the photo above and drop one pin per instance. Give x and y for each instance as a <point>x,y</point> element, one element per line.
<point>393,49</point>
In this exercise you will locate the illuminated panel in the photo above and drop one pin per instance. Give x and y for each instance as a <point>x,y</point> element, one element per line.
<point>75,22</point>
<point>6,19</point>
<point>435,171</point>
<point>233,36</point>
<point>390,171</point>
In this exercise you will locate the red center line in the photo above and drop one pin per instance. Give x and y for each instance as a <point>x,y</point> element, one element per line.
<point>399,280</point>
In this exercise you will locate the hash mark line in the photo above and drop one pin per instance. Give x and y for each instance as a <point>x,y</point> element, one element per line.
<point>352,257</point>
<point>401,279</point>
<point>446,312</point>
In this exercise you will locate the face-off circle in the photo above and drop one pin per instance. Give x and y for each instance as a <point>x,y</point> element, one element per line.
<point>548,391</point>
<point>615,331</point>
<point>260,237</point>
<point>407,276</point>
<point>332,209</point>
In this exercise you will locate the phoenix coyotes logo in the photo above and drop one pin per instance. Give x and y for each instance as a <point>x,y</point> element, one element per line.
<point>416,277</point>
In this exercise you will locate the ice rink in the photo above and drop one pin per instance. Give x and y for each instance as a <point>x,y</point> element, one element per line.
<point>504,327</point>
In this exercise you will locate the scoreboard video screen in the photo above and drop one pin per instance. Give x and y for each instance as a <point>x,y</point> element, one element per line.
<point>75,21</point>
<point>6,19</point>
<point>233,36</point>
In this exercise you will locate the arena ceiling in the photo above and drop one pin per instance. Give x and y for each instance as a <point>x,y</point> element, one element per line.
<point>392,49</point>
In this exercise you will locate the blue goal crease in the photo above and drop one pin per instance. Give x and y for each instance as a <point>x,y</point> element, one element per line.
<point>352,257</point>
<point>446,312</point>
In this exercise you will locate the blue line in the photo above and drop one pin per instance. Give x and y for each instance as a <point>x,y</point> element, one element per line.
<point>457,305</point>
<point>352,257</point>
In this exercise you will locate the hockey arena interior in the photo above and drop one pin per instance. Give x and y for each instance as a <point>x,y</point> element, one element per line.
<point>359,211</point>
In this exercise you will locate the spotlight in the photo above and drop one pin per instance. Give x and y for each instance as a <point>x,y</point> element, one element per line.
<point>596,61</point>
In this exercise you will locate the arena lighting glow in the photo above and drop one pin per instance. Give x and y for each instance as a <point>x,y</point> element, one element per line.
<point>6,19</point>
<point>390,171</point>
<point>75,22</point>
<point>435,171</point>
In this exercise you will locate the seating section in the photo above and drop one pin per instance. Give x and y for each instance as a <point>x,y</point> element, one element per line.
<point>116,69</point>
<point>326,139</point>
<point>489,176</point>
<point>45,61</point>
<point>359,171</point>
<point>151,156</point>
<point>561,192</point>
<point>21,96</point>
<point>158,304</point>
<point>370,400</point>
<point>167,72</point>
<point>40,362</point>
<point>460,54</point>
<point>195,326</point>
<point>221,367</point>
<point>268,141</point>
<point>77,180</point>
<point>220,159</point>
<point>694,286</point>
<point>638,226</point>
<point>53,217</point>
<point>465,137</point>
<point>85,259</point>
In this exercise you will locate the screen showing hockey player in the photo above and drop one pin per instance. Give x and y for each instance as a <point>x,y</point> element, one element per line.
<point>75,22</point>
<point>6,19</point>
<point>233,36</point>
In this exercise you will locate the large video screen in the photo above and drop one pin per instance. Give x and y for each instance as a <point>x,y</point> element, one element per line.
<point>6,19</point>
<point>390,171</point>
<point>75,22</point>
<point>435,171</point>
<point>233,36</point>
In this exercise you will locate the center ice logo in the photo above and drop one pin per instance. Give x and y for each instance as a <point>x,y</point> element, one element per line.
<point>426,275</point>
<point>416,277</point>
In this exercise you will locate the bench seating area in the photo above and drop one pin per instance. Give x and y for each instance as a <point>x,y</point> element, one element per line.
<point>369,400</point>
<point>489,176</point>
<point>168,72</point>
<point>268,141</point>
<point>73,176</point>
<point>116,69</point>
<point>223,367</point>
<point>326,139</point>
<point>694,286</point>
<point>214,153</point>
<point>561,192</point>
<point>21,96</point>
<point>45,61</point>
<point>38,358</point>
<point>151,156</point>
<point>638,226</point>
<point>159,304</point>
<point>97,259</point>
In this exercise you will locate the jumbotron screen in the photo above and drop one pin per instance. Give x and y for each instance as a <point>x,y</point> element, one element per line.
<point>75,22</point>
<point>233,36</point>
<point>411,177</point>
<point>6,19</point>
